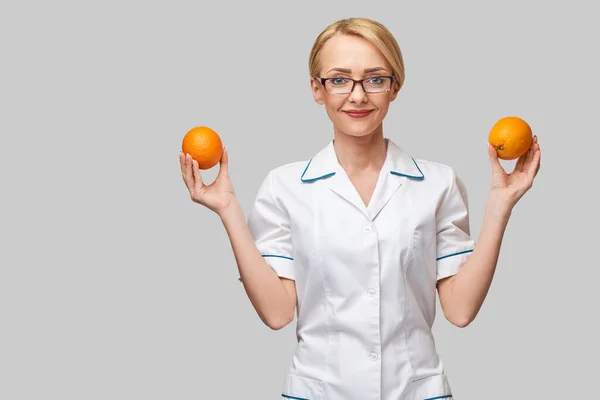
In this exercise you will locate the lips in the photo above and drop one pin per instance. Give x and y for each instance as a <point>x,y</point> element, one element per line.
<point>358,113</point>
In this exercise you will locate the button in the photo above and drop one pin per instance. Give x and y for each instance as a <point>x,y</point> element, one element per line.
<point>367,228</point>
<point>371,291</point>
<point>374,356</point>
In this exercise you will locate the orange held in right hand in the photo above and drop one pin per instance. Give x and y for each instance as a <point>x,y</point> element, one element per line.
<point>511,137</point>
<point>202,149</point>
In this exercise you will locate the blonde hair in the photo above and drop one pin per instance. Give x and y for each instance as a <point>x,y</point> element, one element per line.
<point>372,31</point>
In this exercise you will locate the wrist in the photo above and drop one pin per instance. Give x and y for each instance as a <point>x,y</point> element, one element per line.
<point>230,210</point>
<point>499,206</point>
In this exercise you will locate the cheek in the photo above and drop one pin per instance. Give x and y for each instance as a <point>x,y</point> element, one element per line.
<point>333,107</point>
<point>383,107</point>
<point>333,103</point>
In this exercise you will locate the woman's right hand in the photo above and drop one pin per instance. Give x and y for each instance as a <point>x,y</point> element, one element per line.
<point>219,194</point>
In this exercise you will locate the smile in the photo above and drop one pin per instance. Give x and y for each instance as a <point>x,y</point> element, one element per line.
<point>358,114</point>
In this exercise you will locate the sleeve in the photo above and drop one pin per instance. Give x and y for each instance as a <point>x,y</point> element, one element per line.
<point>454,242</point>
<point>269,226</point>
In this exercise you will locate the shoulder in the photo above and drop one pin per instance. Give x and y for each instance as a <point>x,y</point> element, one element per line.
<point>436,173</point>
<point>284,179</point>
<point>281,185</point>
<point>443,182</point>
<point>286,174</point>
<point>290,171</point>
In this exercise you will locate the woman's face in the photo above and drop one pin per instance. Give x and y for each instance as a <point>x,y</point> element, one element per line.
<point>349,56</point>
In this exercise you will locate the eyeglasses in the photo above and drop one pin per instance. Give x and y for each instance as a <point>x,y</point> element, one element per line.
<point>372,84</point>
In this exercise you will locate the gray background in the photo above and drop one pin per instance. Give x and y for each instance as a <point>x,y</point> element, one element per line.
<point>114,285</point>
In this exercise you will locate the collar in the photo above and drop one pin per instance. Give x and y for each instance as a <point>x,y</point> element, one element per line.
<point>325,164</point>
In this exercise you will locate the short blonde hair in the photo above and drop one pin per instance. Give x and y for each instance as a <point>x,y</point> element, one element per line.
<point>373,31</point>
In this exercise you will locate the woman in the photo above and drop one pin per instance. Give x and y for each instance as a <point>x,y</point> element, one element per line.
<point>357,239</point>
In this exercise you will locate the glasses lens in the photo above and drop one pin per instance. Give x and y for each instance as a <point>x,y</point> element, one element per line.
<point>338,85</point>
<point>377,84</point>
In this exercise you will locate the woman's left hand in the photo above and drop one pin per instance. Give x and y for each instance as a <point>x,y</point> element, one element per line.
<point>511,187</point>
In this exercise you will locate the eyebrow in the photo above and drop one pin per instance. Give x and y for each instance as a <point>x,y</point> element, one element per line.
<point>346,70</point>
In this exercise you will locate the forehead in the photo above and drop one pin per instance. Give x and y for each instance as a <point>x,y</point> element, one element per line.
<point>352,52</point>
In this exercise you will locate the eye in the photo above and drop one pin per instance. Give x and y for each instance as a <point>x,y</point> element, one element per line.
<point>338,81</point>
<point>376,80</point>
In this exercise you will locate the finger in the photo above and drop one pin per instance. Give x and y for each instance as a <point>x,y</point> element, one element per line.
<point>520,163</point>
<point>534,166</point>
<point>530,152</point>
<point>496,167</point>
<point>224,164</point>
<point>536,162</point>
<point>197,176</point>
<point>535,149</point>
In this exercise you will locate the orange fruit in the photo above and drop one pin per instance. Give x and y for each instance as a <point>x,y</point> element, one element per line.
<point>511,136</point>
<point>204,145</point>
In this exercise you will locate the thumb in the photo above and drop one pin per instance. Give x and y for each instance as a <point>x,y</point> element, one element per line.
<point>493,154</point>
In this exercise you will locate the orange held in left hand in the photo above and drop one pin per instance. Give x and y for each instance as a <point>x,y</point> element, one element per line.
<point>511,187</point>
<point>204,145</point>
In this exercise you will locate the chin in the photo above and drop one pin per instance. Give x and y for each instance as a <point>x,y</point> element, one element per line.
<point>358,128</point>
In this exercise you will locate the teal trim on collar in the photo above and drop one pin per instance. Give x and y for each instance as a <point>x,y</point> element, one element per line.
<point>324,164</point>
<point>314,179</point>
<point>287,396</point>
<point>410,176</point>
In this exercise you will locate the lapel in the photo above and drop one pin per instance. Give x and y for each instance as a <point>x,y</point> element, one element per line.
<point>397,168</point>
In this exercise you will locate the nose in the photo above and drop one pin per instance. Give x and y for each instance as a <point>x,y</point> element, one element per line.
<point>358,95</point>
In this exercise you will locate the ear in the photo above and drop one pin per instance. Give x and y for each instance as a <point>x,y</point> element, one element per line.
<point>394,91</point>
<point>317,91</point>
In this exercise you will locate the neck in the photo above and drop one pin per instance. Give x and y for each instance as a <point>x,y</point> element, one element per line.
<point>362,154</point>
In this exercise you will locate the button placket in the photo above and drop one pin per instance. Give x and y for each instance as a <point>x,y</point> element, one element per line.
<point>371,293</point>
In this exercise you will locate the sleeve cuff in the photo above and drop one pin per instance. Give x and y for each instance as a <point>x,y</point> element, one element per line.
<point>283,266</point>
<point>449,264</point>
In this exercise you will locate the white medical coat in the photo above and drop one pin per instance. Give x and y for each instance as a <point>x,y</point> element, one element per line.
<point>365,275</point>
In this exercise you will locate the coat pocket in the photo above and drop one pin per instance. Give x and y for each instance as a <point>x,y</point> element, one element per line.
<point>433,387</point>
<point>301,388</point>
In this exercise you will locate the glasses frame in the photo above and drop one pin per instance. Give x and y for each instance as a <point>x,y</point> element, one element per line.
<point>355,81</point>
